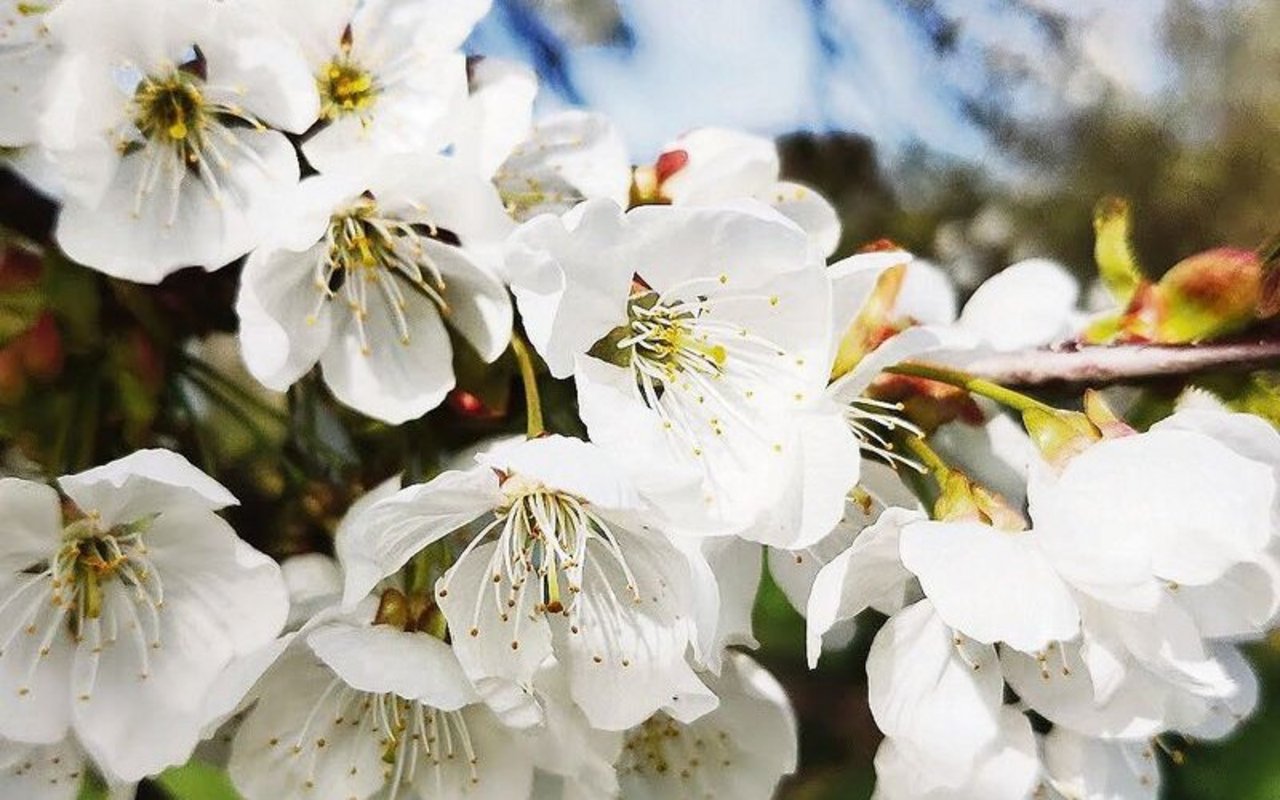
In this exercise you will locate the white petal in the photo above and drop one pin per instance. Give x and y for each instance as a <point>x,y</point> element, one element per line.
<point>989,584</point>
<point>639,644</point>
<point>380,659</point>
<point>395,380</point>
<point>867,573</point>
<point>26,61</point>
<point>284,328</point>
<point>379,539</point>
<point>811,211</point>
<point>35,694</point>
<point>1240,604</point>
<point>732,248</point>
<point>41,772</point>
<point>1096,769</point>
<point>927,295</point>
<point>1026,305</point>
<point>734,575</point>
<point>1197,506</point>
<point>32,525</point>
<point>934,694</point>
<point>314,581</point>
<point>619,421</point>
<point>499,647</point>
<point>498,113</point>
<point>571,280</point>
<point>479,307</point>
<point>1007,771</point>
<point>568,464</point>
<point>722,165</point>
<point>143,483</point>
<point>206,231</point>
<point>822,468</point>
<point>267,68</point>
<point>1223,717</point>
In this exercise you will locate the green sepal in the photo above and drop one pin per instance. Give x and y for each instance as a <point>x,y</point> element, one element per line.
<point>1118,266</point>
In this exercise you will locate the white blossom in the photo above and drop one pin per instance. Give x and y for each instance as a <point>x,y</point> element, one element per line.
<point>544,165</point>
<point>120,607</point>
<point>162,134</point>
<point>389,75</point>
<point>705,375</point>
<point>359,707</point>
<point>364,271</point>
<point>551,560</point>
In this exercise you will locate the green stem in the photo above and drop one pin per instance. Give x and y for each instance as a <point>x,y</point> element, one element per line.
<point>529,376</point>
<point>971,384</point>
<point>927,456</point>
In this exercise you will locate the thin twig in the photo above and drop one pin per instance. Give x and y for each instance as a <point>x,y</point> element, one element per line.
<point>1100,365</point>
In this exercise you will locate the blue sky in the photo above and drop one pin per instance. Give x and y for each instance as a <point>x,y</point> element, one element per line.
<point>774,66</point>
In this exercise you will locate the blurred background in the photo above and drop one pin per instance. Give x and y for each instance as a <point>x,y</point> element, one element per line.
<point>973,132</point>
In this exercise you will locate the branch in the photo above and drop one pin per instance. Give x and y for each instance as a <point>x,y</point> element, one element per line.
<point>1095,365</point>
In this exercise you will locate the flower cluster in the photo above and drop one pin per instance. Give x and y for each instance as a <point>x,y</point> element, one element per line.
<point>567,616</point>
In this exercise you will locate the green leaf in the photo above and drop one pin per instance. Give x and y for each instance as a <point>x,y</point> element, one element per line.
<point>198,781</point>
<point>1117,265</point>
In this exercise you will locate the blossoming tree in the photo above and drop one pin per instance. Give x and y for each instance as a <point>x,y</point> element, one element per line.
<point>518,424</point>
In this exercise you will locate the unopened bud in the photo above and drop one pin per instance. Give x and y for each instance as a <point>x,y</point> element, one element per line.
<point>1210,295</point>
<point>1058,434</point>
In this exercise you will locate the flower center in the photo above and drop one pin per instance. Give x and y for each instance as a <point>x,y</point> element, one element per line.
<point>666,341</point>
<point>181,127</point>
<point>90,558</point>
<point>364,250</point>
<point>543,538</point>
<point>345,88</point>
<point>661,747</point>
<point>703,373</point>
<point>172,111</point>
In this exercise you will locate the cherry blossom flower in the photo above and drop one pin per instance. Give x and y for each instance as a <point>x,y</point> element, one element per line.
<point>162,134</point>
<point>547,165</point>
<point>389,75</point>
<point>366,269</point>
<point>553,561</point>
<point>121,605</point>
<point>367,704</point>
<point>706,380</point>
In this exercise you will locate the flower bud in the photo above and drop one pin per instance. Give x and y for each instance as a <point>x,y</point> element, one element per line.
<point>1059,435</point>
<point>1209,295</point>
